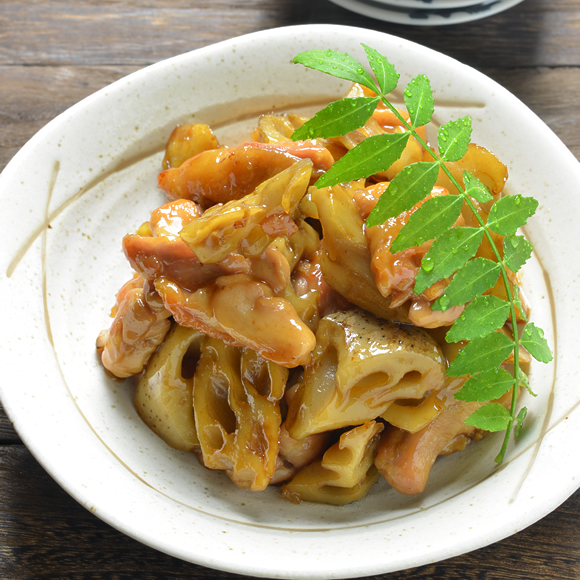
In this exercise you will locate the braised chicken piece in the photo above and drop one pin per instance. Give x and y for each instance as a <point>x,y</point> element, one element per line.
<point>242,311</point>
<point>139,327</point>
<point>405,459</point>
<point>172,259</point>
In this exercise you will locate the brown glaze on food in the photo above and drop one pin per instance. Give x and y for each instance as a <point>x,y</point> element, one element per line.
<point>405,459</point>
<point>139,327</point>
<point>221,175</point>
<point>242,311</point>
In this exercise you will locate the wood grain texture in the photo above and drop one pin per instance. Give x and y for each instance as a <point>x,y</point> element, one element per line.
<point>31,96</point>
<point>533,33</point>
<point>70,32</point>
<point>8,435</point>
<point>53,53</point>
<point>550,93</point>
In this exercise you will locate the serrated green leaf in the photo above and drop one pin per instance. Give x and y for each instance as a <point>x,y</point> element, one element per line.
<point>486,386</point>
<point>480,317</point>
<point>385,72</point>
<point>509,213</point>
<point>430,220</point>
<point>374,154</point>
<point>534,342</point>
<point>520,420</point>
<point>477,276</point>
<point>516,252</point>
<point>419,101</point>
<point>453,248</point>
<point>337,64</point>
<point>405,190</point>
<point>453,139</point>
<point>490,417</point>
<point>523,380</point>
<point>476,188</point>
<point>481,354</point>
<point>338,118</point>
<point>518,302</point>
<point>447,254</point>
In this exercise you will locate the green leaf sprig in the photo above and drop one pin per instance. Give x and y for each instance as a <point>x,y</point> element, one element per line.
<point>453,250</point>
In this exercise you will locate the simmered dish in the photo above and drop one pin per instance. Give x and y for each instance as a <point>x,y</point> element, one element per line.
<point>274,334</point>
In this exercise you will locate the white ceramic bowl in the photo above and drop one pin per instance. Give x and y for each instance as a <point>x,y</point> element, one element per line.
<point>91,174</point>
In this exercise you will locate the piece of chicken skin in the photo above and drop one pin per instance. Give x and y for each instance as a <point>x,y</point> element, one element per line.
<point>242,311</point>
<point>163,257</point>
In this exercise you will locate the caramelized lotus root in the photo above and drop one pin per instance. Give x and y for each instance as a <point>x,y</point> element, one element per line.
<point>164,397</point>
<point>345,473</point>
<point>359,367</point>
<point>482,163</point>
<point>412,153</point>
<point>247,226</point>
<point>413,415</point>
<point>346,260</point>
<point>274,128</point>
<point>236,398</point>
<point>187,141</point>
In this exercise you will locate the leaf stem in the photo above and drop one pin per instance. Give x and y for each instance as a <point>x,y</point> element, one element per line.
<point>499,258</point>
<point>516,386</point>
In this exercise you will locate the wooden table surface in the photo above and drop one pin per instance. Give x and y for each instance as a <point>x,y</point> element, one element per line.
<point>53,53</point>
